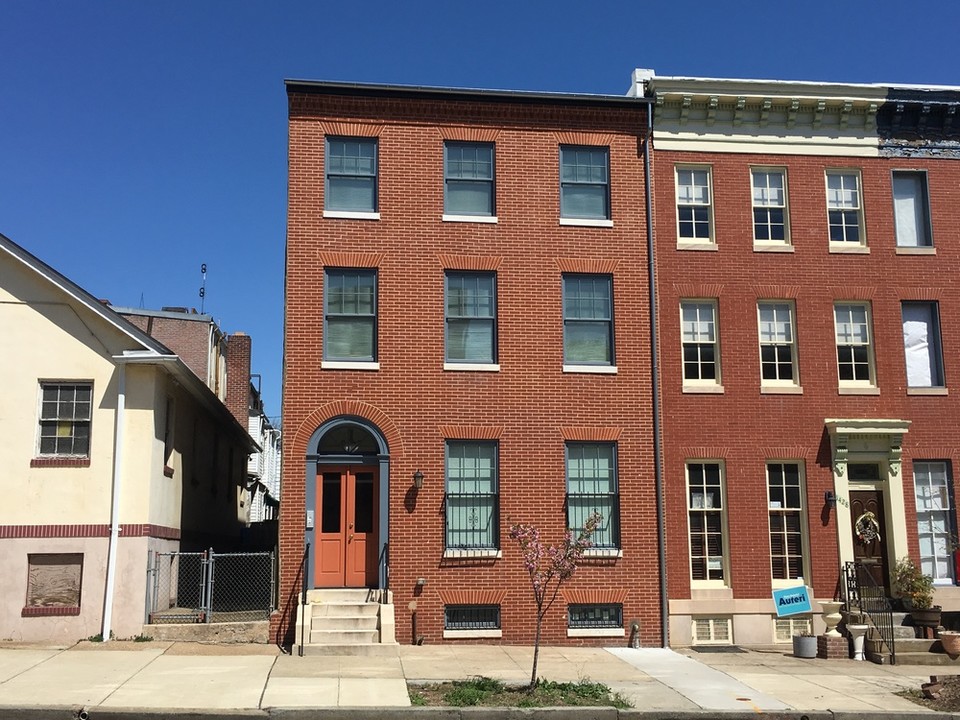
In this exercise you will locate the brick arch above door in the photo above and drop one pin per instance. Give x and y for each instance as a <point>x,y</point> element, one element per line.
<point>345,408</point>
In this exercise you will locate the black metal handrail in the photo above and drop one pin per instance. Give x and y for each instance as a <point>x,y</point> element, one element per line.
<point>384,563</point>
<point>303,595</point>
<point>863,592</point>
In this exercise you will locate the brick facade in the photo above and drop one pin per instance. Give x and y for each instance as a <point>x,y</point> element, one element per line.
<point>530,406</point>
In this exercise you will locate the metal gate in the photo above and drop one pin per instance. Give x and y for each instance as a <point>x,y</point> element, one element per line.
<point>208,587</point>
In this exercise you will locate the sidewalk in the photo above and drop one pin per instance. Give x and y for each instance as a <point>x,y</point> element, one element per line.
<point>103,678</point>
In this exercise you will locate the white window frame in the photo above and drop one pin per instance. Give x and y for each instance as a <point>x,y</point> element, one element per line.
<point>780,507</point>
<point>686,197</point>
<point>761,202</point>
<point>724,569</point>
<point>917,207</point>
<point>777,333</point>
<point>926,504</point>
<point>849,328</point>
<point>703,331</point>
<point>842,202</point>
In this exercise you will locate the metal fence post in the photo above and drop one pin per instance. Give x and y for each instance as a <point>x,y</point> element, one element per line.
<point>208,601</point>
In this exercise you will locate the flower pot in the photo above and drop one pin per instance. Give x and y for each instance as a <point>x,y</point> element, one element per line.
<point>804,646</point>
<point>928,617</point>
<point>950,640</point>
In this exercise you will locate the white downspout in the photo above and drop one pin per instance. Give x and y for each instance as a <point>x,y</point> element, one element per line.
<point>115,506</point>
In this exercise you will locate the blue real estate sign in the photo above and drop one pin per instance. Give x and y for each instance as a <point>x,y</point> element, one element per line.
<point>792,601</point>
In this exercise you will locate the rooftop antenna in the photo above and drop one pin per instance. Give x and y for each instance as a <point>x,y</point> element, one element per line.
<point>141,301</point>
<point>203,287</point>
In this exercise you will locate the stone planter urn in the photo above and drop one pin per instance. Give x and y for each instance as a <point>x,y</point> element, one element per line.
<point>950,640</point>
<point>804,646</point>
<point>831,616</point>
<point>856,635</point>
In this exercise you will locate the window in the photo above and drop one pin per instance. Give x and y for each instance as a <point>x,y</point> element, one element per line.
<point>701,354</point>
<point>350,315</point>
<point>584,182</point>
<point>785,628</point>
<point>911,209</point>
<point>65,419</point>
<point>785,502</point>
<point>588,320</point>
<point>595,616</point>
<point>471,617</point>
<point>471,318</point>
<point>592,487</point>
<point>770,206</point>
<point>844,209</point>
<point>921,344</point>
<point>468,179</point>
<point>705,509</point>
<point>471,502</point>
<point>694,206</point>
<point>53,584</point>
<point>934,520</point>
<point>854,354</point>
<point>351,174</point>
<point>778,348</point>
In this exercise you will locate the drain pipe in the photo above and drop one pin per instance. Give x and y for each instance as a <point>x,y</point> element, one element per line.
<point>115,506</point>
<point>655,378</point>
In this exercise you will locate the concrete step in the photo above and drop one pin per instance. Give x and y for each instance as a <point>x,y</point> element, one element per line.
<point>344,609</point>
<point>343,595</point>
<point>349,650</point>
<point>343,623</point>
<point>344,637</point>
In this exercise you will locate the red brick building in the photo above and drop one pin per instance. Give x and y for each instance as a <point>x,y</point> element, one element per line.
<point>806,280</point>
<point>467,346</point>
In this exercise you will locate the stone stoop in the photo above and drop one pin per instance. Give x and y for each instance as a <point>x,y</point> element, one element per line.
<point>344,621</point>
<point>911,650</point>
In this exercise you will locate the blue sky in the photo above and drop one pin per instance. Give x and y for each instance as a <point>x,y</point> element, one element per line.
<point>139,140</point>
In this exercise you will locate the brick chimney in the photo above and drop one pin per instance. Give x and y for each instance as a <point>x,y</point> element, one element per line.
<point>238,377</point>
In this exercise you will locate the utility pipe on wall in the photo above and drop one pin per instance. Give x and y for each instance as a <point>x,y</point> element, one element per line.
<point>115,505</point>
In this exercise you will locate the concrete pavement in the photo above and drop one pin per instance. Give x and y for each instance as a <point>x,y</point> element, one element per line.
<point>256,680</point>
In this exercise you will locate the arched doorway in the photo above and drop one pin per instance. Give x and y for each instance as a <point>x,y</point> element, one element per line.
<point>346,504</point>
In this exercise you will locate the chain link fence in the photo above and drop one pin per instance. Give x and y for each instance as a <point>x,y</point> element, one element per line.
<point>211,587</point>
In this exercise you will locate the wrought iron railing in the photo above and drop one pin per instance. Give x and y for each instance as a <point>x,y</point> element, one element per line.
<point>863,594</point>
<point>303,595</point>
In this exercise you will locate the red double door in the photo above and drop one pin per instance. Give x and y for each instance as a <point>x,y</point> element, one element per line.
<point>346,533</point>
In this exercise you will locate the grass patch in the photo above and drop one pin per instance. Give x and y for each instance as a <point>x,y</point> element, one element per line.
<point>487,692</point>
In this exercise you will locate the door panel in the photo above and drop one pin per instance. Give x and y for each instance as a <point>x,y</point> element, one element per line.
<point>347,538</point>
<point>871,549</point>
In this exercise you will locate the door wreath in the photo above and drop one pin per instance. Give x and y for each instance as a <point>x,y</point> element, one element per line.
<point>867,528</point>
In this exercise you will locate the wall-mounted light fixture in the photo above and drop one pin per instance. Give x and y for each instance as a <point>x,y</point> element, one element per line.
<point>418,479</point>
<point>830,499</point>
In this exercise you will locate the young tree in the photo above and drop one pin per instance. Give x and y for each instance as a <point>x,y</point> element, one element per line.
<point>550,567</point>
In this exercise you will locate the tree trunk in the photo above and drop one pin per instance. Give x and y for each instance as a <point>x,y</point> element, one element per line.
<point>536,653</point>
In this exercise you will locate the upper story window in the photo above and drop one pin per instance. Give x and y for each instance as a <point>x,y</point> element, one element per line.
<point>65,415</point>
<point>351,175</point>
<point>845,208</point>
<point>778,344</point>
<point>854,346</point>
<point>592,487</point>
<point>770,225</point>
<point>911,209</point>
<point>584,182</point>
<point>701,346</point>
<point>468,179</point>
<point>921,344</point>
<point>471,318</point>
<point>588,320</point>
<point>694,205</point>
<point>472,508</point>
<point>707,523</point>
<point>350,315</point>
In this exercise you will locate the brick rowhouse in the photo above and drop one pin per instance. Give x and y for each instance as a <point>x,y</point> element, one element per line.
<point>859,437</point>
<point>410,406</point>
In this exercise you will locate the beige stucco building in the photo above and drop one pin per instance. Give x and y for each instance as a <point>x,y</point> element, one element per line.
<point>112,449</point>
